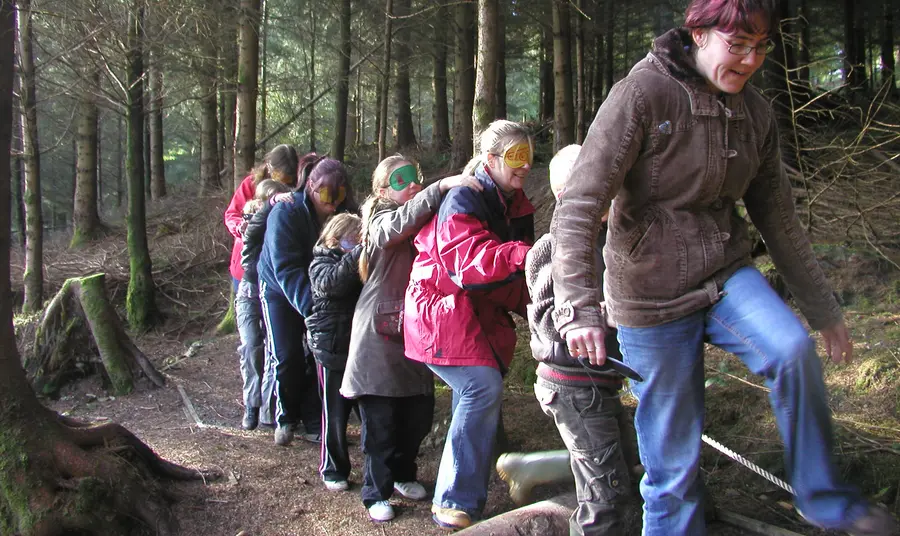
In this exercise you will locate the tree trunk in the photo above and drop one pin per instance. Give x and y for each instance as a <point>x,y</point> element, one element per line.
<point>887,48</point>
<point>597,89</point>
<point>120,160</point>
<point>385,81</point>
<point>545,74</point>
<point>464,94</point>
<point>580,75</point>
<point>34,220</point>
<point>563,116</point>
<point>209,120</point>
<point>148,186</point>
<point>248,75</point>
<point>664,20</point>
<point>803,57</point>
<point>609,65</point>
<point>59,476</point>
<point>228,96</point>
<point>854,54</point>
<point>311,78</point>
<point>264,60</point>
<point>485,106</point>
<point>406,132</point>
<point>342,95</point>
<point>501,110</point>
<point>440,134</point>
<point>18,171</point>
<point>86,219</point>
<point>80,323</point>
<point>157,148</point>
<point>140,301</point>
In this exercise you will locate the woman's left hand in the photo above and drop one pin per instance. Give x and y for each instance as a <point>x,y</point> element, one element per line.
<point>837,342</point>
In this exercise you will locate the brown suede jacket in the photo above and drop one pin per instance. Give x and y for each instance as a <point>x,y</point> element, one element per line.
<point>675,157</point>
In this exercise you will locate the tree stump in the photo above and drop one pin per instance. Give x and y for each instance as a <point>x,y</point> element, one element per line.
<point>78,325</point>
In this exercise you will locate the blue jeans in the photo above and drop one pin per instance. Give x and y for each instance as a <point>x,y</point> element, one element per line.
<point>248,314</point>
<point>753,323</point>
<point>465,470</point>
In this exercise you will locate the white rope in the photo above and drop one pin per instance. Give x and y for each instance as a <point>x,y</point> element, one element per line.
<point>748,464</point>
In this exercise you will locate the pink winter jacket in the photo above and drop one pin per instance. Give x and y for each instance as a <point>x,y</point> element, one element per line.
<point>467,277</point>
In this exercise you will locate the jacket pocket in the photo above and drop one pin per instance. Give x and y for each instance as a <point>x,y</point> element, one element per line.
<point>389,319</point>
<point>651,263</point>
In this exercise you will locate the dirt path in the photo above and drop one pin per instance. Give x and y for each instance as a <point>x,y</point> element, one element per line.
<point>270,490</point>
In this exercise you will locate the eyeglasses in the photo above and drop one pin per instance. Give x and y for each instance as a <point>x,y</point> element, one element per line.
<point>762,49</point>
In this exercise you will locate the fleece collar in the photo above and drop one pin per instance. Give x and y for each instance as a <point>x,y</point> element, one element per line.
<point>673,55</point>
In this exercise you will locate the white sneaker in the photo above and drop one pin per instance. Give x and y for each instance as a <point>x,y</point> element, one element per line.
<point>411,490</point>
<point>381,511</point>
<point>336,485</point>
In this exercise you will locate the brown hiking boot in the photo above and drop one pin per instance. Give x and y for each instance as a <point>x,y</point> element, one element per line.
<point>876,522</point>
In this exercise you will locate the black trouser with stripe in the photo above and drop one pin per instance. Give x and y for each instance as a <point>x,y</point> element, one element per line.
<point>296,386</point>
<point>392,432</point>
<point>334,463</point>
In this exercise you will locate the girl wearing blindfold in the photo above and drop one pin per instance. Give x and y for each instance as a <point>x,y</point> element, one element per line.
<point>395,395</point>
<point>466,279</point>
<point>292,228</point>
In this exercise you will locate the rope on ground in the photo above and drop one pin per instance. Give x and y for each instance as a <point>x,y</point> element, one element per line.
<point>748,464</point>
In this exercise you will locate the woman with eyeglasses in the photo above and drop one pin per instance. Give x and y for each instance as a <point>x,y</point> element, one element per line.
<point>395,396</point>
<point>466,279</point>
<point>292,228</point>
<point>676,144</point>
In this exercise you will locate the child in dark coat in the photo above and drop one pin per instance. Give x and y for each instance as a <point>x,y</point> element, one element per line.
<point>335,282</point>
<point>582,399</point>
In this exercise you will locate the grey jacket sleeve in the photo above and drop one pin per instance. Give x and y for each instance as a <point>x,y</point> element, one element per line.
<point>391,227</point>
<point>770,206</point>
<point>539,280</point>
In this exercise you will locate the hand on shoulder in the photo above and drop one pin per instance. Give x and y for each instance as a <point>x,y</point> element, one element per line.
<point>459,180</point>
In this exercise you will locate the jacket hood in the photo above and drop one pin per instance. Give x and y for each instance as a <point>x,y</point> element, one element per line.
<point>675,50</point>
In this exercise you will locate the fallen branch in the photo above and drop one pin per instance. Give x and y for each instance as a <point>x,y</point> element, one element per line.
<point>190,407</point>
<point>753,525</point>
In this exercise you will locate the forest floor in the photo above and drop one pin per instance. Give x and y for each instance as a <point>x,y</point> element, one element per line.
<point>271,490</point>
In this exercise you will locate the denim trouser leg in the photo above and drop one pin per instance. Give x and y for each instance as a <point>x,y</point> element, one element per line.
<point>248,313</point>
<point>465,469</point>
<point>752,322</point>
<point>669,422</point>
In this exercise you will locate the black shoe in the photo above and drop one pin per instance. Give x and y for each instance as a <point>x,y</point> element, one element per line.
<point>312,437</point>
<point>284,435</point>
<point>251,418</point>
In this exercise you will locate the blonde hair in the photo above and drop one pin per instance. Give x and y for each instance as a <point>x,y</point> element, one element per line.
<point>499,136</point>
<point>376,202</point>
<point>561,167</point>
<point>264,191</point>
<point>337,227</point>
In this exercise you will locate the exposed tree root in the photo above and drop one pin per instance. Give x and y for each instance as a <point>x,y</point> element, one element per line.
<point>59,476</point>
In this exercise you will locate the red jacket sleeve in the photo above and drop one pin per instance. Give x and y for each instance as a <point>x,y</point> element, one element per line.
<point>234,214</point>
<point>474,257</point>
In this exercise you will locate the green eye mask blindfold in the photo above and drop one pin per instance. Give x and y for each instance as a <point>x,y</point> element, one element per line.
<point>403,176</point>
